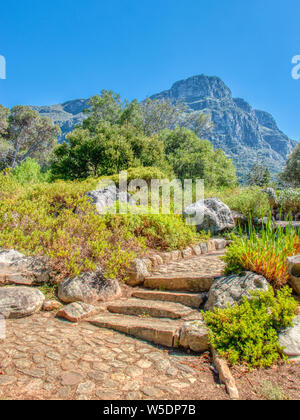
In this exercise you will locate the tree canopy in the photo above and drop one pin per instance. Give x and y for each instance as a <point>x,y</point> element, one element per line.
<point>106,150</point>
<point>291,173</point>
<point>192,157</point>
<point>25,134</point>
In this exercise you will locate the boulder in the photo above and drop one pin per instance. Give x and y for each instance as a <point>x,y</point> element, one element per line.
<point>194,336</point>
<point>20,302</point>
<point>107,197</point>
<point>89,288</point>
<point>137,272</point>
<point>15,268</point>
<point>76,311</point>
<point>289,339</point>
<point>210,215</point>
<point>231,290</point>
<point>293,266</point>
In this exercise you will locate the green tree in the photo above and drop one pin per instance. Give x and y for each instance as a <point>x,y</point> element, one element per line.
<point>106,150</point>
<point>149,116</point>
<point>259,175</point>
<point>27,135</point>
<point>4,113</point>
<point>291,172</point>
<point>104,107</point>
<point>193,158</point>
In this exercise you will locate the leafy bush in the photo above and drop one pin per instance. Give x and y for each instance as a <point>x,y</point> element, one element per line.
<point>250,202</point>
<point>56,219</point>
<point>29,172</point>
<point>264,253</point>
<point>145,173</point>
<point>247,334</point>
<point>163,232</point>
<point>289,201</point>
<point>194,158</point>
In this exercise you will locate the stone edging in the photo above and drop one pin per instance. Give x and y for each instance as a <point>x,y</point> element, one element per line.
<point>225,375</point>
<point>142,267</point>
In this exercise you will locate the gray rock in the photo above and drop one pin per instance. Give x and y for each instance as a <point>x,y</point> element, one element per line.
<point>293,265</point>
<point>210,215</point>
<point>231,290</point>
<point>76,311</point>
<point>15,268</point>
<point>289,339</point>
<point>137,272</point>
<point>89,288</point>
<point>194,336</point>
<point>108,197</point>
<point>20,302</point>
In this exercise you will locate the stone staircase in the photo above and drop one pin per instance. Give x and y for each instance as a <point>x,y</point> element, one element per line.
<point>167,307</point>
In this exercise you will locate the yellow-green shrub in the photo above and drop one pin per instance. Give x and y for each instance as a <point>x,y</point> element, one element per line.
<point>247,334</point>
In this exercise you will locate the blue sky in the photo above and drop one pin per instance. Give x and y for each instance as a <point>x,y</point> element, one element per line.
<point>65,49</point>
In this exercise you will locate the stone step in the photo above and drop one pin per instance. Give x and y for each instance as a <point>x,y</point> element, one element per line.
<point>159,331</point>
<point>152,308</point>
<point>180,282</point>
<point>193,300</point>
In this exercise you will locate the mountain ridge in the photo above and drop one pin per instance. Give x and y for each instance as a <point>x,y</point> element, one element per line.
<point>242,132</point>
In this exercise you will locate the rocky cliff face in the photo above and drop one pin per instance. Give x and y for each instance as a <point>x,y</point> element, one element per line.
<point>245,134</point>
<point>67,115</point>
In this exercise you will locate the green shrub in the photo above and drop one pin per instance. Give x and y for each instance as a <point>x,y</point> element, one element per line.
<point>56,219</point>
<point>145,173</point>
<point>289,201</point>
<point>29,172</point>
<point>247,334</point>
<point>250,202</point>
<point>157,231</point>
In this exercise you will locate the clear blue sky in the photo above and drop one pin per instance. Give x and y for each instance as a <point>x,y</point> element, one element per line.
<point>65,49</point>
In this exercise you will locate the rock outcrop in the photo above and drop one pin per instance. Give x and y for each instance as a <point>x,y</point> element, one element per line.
<point>210,215</point>
<point>20,302</point>
<point>242,132</point>
<point>89,288</point>
<point>231,290</point>
<point>108,197</point>
<point>15,268</point>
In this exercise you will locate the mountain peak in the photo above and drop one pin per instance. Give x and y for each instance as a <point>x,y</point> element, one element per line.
<point>243,133</point>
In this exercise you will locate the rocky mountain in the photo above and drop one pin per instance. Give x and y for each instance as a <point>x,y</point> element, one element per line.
<point>67,115</point>
<point>245,134</point>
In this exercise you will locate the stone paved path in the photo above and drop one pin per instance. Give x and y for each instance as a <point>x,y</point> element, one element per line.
<point>46,358</point>
<point>207,264</point>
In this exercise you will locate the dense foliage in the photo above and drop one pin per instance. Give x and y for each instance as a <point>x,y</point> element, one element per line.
<point>259,175</point>
<point>25,134</point>
<point>291,172</point>
<point>247,333</point>
<point>56,219</point>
